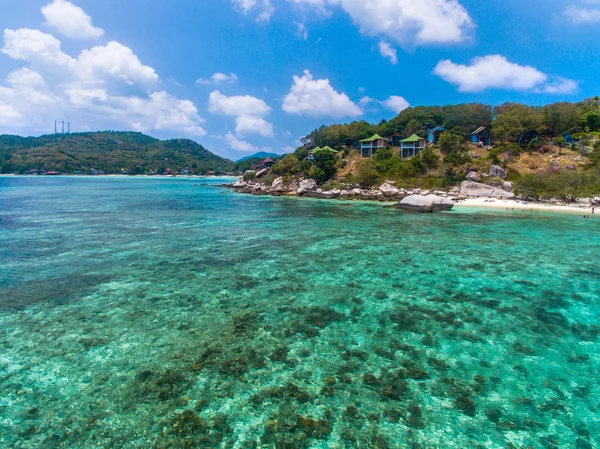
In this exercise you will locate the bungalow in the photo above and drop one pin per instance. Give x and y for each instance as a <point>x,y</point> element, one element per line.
<point>326,149</point>
<point>372,144</point>
<point>482,135</point>
<point>311,152</point>
<point>395,139</point>
<point>526,137</point>
<point>265,163</point>
<point>433,136</point>
<point>569,135</point>
<point>412,146</point>
<point>350,143</point>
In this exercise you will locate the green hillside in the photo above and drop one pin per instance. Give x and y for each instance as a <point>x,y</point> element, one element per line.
<point>111,152</point>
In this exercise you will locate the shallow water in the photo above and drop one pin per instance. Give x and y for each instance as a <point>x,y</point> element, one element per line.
<point>155,313</point>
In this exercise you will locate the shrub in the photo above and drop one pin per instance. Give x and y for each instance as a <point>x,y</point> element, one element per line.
<point>249,176</point>
<point>268,180</point>
<point>366,174</point>
<point>430,158</point>
<point>560,185</point>
<point>289,164</point>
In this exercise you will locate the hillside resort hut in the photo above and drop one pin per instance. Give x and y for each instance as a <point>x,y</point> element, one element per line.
<point>525,137</point>
<point>568,135</point>
<point>372,144</point>
<point>412,146</point>
<point>482,135</point>
<point>350,143</point>
<point>265,163</point>
<point>319,150</point>
<point>433,136</point>
<point>395,139</point>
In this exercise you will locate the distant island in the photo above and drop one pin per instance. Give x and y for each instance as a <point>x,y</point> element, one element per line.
<point>107,153</point>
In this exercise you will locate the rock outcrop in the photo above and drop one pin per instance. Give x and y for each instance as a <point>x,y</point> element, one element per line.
<point>429,203</point>
<point>307,185</point>
<point>239,182</point>
<point>473,176</point>
<point>389,190</point>
<point>476,189</point>
<point>498,172</point>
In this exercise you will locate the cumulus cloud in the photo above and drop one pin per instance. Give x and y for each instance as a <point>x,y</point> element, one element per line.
<point>96,87</point>
<point>495,71</point>
<point>396,103</point>
<point>317,98</point>
<point>70,20</point>
<point>262,8</point>
<point>248,111</point>
<point>219,78</point>
<point>240,145</point>
<point>387,51</point>
<point>405,22</point>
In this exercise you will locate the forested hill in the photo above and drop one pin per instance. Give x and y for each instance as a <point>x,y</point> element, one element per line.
<point>111,152</point>
<point>504,120</point>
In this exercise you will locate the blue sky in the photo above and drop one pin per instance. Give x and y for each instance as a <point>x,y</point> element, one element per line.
<point>241,76</point>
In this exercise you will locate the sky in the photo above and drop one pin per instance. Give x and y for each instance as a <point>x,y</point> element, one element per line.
<point>242,76</point>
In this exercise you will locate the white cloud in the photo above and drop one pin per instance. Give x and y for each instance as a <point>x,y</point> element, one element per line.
<point>248,111</point>
<point>114,60</point>
<point>93,90</point>
<point>253,125</point>
<point>34,46</point>
<point>583,15</point>
<point>495,71</point>
<point>406,22</point>
<point>70,20</point>
<point>318,99</point>
<point>396,104</point>
<point>237,106</point>
<point>240,145</point>
<point>219,78</point>
<point>263,8</point>
<point>387,51</point>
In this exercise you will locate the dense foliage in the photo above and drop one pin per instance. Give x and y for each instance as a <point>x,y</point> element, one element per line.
<point>111,152</point>
<point>506,120</point>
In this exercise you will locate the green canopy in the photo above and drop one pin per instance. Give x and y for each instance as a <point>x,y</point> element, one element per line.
<point>413,138</point>
<point>372,139</point>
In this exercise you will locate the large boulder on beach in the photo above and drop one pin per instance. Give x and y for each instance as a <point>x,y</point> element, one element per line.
<point>498,172</point>
<point>429,203</point>
<point>261,173</point>
<point>477,189</point>
<point>473,176</point>
<point>239,183</point>
<point>389,190</point>
<point>278,185</point>
<point>307,185</point>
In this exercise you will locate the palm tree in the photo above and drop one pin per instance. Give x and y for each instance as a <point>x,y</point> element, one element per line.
<point>596,102</point>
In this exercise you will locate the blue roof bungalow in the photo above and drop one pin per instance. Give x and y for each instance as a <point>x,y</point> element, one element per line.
<point>412,146</point>
<point>433,136</point>
<point>526,137</point>
<point>372,144</point>
<point>482,135</point>
<point>395,139</point>
<point>568,135</point>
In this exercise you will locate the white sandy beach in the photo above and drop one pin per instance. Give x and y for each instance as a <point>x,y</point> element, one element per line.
<point>519,206</point>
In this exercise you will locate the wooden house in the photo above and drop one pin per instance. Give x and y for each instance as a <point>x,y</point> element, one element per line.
<point>265,163</point>
<point>482,135</point>
<point>568,135</point>
<point>526,137</point>
<point>433,136</point>
<point>372,144</point>
<point>412,146</point>
<point>350,143</point>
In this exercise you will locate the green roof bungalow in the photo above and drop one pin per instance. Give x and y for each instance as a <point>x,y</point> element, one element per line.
<point>412,146</point>
<point>326,149</point>
<point>372,144</point>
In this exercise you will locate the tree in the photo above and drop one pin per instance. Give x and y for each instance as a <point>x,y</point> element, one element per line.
<point>591,120</point>
<point>512,118</point>
<point>559,117</point>
<point>561,142</point>
<point>451,142</point>
<point>430,158</point>
<point>366,175</point>
<point>596,102</point>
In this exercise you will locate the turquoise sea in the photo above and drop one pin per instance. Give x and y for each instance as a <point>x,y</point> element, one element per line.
<point>171,313</point>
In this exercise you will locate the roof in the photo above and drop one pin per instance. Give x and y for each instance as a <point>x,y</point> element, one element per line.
<point>413,138</point>
<point>325,149</point>
<point>478,130</point>
<point>373,138</point>
<point>267,159</point>
<point>576,129</point>
<point>437,128</point>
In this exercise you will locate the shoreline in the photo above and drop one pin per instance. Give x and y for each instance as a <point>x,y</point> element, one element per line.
<point>519,206</point>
